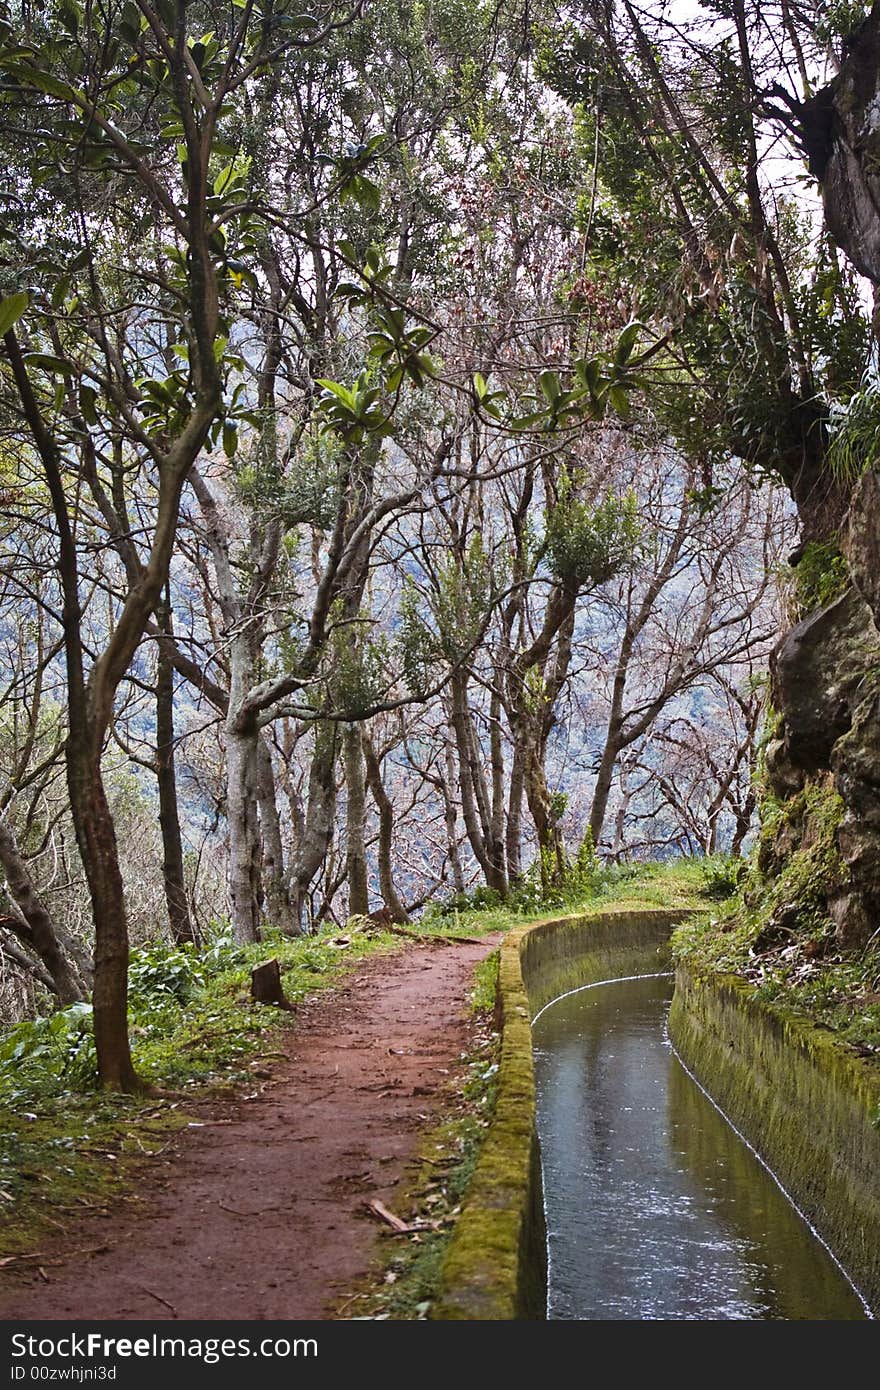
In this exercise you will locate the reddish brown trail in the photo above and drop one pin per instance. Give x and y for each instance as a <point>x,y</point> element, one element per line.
<point>260,1211</point>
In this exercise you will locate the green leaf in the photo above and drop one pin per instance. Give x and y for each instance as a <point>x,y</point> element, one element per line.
<point>42,81</point>
<point>230,440</point>
<point>619,400</point>
<point>550,387</point>
<point>523,422</point>
<point>87,404</point>
<point>366,193</point>
<point>224,179</point>
<point>626,342</point>
<point>11,310</point>
<point>45,362</point>
<point>342,393</point>
<point>589,374</point>
<point>426,364</point>
<point>480,386</point>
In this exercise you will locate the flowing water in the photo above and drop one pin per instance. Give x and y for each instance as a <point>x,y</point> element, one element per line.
<point>655,1207</point>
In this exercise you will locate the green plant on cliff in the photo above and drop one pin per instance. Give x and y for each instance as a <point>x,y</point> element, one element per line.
<point>821,576</point>
<point>855,433</point>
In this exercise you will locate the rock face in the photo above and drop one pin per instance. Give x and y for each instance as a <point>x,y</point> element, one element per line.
<point>826,682</point>
<point>826,673</point>
<point>841,132</point>
<point>861,540</point>
<point>856,763</point>
<point>817,671</point>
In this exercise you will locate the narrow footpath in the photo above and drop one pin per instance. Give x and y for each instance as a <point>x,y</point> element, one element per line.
<point>260,1210</point>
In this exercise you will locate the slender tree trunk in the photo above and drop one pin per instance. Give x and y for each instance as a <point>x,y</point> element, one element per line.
<point>96,839</point>
<point>355,821</point>
<point>514,816</point>
<point>551,847</point>
<point>272,867</point>
<point>620,818</point>
<point>318,829</point>
<point>38,930</point>
<point>604,779</point>
<point>743,819</point>
<point>498,848</point>
<point>244,834</point>
<point>474,800</point>
<point>176,899</point>
<point>386,832</point>
<point>450,816</point>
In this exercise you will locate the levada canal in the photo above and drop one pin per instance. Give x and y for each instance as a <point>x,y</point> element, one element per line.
<point>655,1207</point>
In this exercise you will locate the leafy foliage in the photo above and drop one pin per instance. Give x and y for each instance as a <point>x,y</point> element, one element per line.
<point>588,545</point>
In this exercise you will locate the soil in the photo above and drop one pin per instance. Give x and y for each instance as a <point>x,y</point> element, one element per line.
<point>259,1209</point>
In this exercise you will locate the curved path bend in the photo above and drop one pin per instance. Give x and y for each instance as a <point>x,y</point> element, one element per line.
<point>258,1212</point>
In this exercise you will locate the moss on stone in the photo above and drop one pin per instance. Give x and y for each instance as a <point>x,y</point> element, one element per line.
<point>809,1106</point>
<point>821,576</point>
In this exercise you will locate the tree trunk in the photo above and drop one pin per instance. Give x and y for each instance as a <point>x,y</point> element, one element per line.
<point>550,846</point>
<point>355,821</point>
<point>474,801</point>
<point>38,930</point>
<point>513,844</point>
<point>176,899</point>
<point>602,791</point>
<point>318,829</point>
<point>244,834</point>
<point>273,879</point>
<point>386,832</point>
<point>96,839</point>
<point>450,816</point>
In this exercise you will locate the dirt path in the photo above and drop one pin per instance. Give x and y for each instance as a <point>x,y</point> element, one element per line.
<point>260,1212</point>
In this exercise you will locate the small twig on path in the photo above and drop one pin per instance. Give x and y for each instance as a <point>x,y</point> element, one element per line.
<point>342,1307</point>
<point>235,1211</point>
<point>159,1299</point>
<point>39,1255</point>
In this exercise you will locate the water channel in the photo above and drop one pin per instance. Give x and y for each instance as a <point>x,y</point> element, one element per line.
<point>656,1208</point>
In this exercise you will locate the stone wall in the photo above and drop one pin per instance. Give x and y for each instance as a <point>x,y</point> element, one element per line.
<point>808,1105</point>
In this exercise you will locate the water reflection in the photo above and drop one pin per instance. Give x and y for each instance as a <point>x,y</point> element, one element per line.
<point>655,1208</point>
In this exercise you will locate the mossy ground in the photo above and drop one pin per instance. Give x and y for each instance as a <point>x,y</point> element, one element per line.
<point>775,932</point>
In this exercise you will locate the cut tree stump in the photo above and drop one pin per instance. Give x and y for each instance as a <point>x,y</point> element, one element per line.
<point>266,986</point>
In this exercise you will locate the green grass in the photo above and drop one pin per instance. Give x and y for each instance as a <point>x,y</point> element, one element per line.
<point>806,973</point>
<point>191,1017</point>
<point>674,883</point>
<point>485,984</point>
<point>776,934</point>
